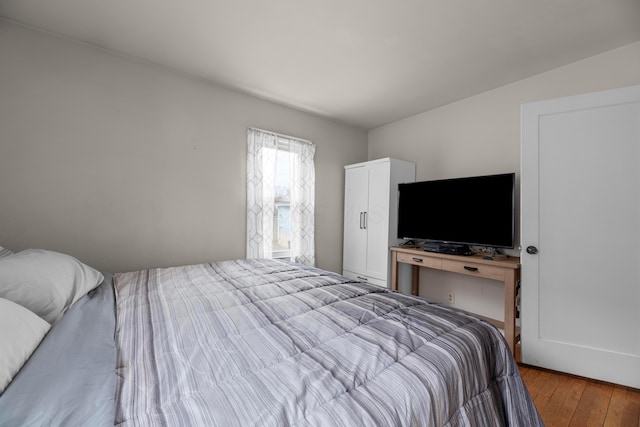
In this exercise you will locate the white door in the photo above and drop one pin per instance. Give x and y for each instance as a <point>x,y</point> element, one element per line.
<point>355,233</point>
<point>377,220</point>
<point>580,192</point>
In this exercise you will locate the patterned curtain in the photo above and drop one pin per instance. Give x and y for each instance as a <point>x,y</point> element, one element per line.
<point>261,171</point>
<point>303,196</point>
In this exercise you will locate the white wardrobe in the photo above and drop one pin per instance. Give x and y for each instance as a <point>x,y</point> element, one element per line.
<point>580,194</point>
<point>370,217</point>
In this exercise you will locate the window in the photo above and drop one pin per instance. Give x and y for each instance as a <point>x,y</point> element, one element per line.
<point>282,212</point>
<point>280,197</point>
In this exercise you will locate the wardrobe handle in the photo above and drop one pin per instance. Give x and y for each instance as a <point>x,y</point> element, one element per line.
<point>361,220</point>
<point>365,220</point>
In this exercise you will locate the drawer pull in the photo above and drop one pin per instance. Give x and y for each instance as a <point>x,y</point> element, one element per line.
<point>364,279</point>
<point>466,267</point>
<point>417,259</point>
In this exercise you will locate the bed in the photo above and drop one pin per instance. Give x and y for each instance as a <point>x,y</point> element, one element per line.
<point>263,343</point>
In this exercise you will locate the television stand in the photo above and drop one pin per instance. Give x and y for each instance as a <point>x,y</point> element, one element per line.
<point>505,270</point>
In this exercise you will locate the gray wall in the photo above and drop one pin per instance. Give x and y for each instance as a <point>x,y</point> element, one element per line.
<point>481,135</point>
<point>127,165</point>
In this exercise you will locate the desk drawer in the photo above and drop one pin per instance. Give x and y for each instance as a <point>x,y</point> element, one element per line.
<point>473,269</point>
<point>420,260</point>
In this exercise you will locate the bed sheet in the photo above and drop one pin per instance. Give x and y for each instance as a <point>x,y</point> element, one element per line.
<point>70,379</point>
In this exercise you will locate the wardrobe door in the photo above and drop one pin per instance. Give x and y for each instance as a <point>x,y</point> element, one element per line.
<point>377,221</point>
<point>580,195</point>
<point>355,208</point>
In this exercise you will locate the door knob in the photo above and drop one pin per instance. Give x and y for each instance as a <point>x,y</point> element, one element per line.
<point>532,250</point>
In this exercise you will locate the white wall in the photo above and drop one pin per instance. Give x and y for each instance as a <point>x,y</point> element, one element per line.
<point>127,165</point>
<point>481,135</point>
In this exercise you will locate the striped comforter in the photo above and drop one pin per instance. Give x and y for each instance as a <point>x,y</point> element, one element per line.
<point>268,343</point>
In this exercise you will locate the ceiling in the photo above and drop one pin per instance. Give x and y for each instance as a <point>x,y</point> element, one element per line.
<point>362,62</point>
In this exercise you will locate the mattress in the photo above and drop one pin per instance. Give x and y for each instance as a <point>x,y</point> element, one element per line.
<point>270,343</point>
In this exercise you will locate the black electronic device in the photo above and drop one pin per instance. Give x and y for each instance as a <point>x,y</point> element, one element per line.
<point>431,246</point>
<point>445,248</point>
<point>447,213</point>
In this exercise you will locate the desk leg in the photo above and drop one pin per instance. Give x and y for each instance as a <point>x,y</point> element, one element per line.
<point>415,279</point>
<point>510,309</point>
<point>394,271</point>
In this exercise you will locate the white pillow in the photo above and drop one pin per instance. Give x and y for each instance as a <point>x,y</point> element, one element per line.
<point>45,282</point>
<point>20,333</point>
<point>5,252</point>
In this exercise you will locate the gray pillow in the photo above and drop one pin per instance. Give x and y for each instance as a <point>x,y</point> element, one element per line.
<point>45,282</point>
<point>20,333</point>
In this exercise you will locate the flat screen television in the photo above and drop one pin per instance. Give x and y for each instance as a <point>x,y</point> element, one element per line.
<point>476,211</point>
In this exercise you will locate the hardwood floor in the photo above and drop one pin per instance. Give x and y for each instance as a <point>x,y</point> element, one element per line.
<point>567,400</point>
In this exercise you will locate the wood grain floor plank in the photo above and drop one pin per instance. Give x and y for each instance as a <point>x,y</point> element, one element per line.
<point>583,410</point>
<point>616,407</point>
<point>546,392</point>
<point>564,402</point>
<point>622,412</point>
<point>538,382</point>
<point>599,412</point>
<point>528,374</point>
<point>633,395</point>
<point>570,405</point>
<point>592,408</point>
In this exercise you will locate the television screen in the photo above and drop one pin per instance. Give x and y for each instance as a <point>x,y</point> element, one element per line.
<point>473,211</point>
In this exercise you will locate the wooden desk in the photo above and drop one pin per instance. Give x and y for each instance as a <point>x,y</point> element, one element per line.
<point>506,270</point>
